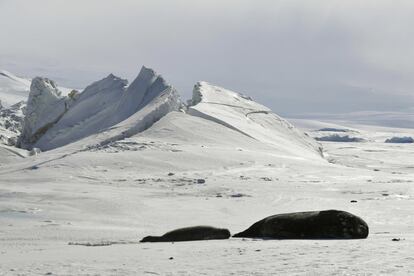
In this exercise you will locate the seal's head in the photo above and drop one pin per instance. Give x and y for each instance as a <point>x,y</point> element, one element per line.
<point>358,228</point>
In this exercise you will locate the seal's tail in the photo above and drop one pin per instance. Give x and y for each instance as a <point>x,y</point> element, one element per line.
<point>253,231</point>
<point>151,239</point>
<point>239,235</point>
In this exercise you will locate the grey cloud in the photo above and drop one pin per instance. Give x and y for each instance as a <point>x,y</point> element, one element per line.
<point>295,56</point>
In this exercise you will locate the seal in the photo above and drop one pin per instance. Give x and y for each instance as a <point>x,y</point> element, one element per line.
<point>327,224</point>
<point>194,233</point>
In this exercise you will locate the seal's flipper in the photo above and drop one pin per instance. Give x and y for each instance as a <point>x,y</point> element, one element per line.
<point>151,239</point>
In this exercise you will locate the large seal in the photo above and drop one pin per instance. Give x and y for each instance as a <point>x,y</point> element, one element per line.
<point>329,224</point>
<point>191,234</point>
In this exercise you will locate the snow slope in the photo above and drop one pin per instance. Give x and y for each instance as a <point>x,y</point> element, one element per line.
<point>254,120</point>
<point>13,89</point>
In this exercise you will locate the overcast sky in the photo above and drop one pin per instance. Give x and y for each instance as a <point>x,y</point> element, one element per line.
<point>293,56</point>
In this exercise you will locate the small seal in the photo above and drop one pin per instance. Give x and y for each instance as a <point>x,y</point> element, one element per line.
<point>328,224</point>
<point>194,233</point>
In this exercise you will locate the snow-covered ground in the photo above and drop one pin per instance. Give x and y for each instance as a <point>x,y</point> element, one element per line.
<point>121,184</point>
<point>393,119</point>
<point>15,89</point>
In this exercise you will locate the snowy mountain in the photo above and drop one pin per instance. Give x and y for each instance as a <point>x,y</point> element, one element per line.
<point>108,103</point>
<point>122,162</point>
<point>109,110</point>
<point>45,107</point>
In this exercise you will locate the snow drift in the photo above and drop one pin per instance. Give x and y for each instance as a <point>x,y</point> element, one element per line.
<point>242,114</point>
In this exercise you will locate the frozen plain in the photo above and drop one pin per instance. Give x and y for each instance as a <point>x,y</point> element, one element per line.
<point>109,196</point>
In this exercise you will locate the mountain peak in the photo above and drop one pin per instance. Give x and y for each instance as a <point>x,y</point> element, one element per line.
<point>108,103</point>
<point>45,87</point>
<point>45,107</point>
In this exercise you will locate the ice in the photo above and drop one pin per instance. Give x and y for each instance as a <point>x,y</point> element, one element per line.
<point>331,129</point>
<point>91,113</point>
<point>107,103</point>
<point>339,138</point>
<point>45,107</point>
<point>405,139</point>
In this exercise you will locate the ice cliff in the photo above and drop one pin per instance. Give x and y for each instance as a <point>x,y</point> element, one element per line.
<point>106,103</point>
<point>45,107</point>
